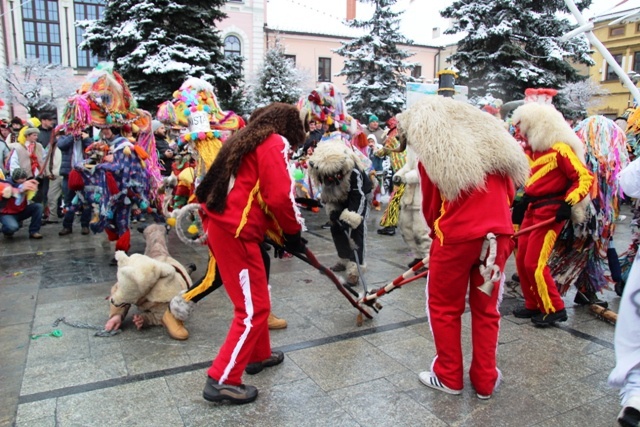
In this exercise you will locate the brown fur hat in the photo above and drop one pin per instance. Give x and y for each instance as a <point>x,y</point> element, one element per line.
<point>279,118</point>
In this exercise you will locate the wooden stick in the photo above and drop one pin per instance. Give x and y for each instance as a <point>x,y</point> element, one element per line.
<point>533,227</point>
<point>604,313</point>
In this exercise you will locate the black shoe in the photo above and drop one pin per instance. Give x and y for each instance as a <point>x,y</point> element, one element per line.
<point>387,231</point>
<point>276,358</point>
<point>523,312</point>
<point>65,231</point>
<point>543,319</point>
<point>619,288</point>
<point>236,394</point>
<point>36,236</point>
<point>326,225</point>
<point>588,298</point>
<point>629,417</point>
<point>515,277</point>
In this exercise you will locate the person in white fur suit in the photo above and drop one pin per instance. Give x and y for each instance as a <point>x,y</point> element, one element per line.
<point>411,222</point>
<point>465,171</point>
<point>149,282</point>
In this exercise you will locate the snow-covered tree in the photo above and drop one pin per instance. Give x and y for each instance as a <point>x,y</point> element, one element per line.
<point>579,97</point>
<point>375,65</point>
<point>157,44</point>
<point>514,45</point>
<point>35,85</point>
<point>278,80</point>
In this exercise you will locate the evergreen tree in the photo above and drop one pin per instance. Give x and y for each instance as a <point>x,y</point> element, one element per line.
<point>375,66</point>
<point>514,45</point>
<point>279,81</point>
<point>157,44</point>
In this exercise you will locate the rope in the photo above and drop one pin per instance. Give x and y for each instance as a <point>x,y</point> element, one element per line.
<point>81,325</point>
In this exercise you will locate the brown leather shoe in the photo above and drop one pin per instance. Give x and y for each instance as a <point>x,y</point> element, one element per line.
<point>275,322</point>
<point>35,236</point>
<point>175,328</point>
<point>85,231</point>
<point>65,232</point>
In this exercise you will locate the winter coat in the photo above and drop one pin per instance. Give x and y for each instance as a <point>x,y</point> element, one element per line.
<point>72,149</point>
<point>45,136</point>
<point>167,162</point>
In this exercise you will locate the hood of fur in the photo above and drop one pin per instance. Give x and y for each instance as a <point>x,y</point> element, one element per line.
<point>544,126</point>
<point>332,157</point>
<point>459,145</point>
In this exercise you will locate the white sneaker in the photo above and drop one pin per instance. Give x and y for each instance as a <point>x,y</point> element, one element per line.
<point>498,381</point>
<point>429,379</point>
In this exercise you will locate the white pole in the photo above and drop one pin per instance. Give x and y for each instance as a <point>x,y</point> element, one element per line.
<point>604,52</point>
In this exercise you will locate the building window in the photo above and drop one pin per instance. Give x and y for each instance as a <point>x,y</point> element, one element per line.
<point>232,46</point>
<point>89,10</point>
<point>611,75</point>
<point>42,30</point>
<point>617,31</point>
<point>636,62</point>
<point>324,69</point>
<point>416,73</point>
<point>291,58</point>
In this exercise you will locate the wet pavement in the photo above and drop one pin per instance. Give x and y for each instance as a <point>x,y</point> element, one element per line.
<point>334,373</point>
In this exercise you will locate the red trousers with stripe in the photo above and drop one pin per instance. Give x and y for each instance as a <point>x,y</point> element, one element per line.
<point>454,269</point>
<point>534,249</point>
<point>245,280</point>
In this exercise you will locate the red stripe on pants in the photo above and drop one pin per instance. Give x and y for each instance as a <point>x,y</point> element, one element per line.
<point>248,337</point>
<point>529,256</point>
<point>453,269</point>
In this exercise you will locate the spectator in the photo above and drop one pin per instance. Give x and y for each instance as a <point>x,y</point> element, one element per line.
<point>165,153</point>
<point>4,148</point>
<point>315,135</point>
<point>373,128</point>
<point>47,122</point>
<point>52,163</point>
<point>28,156</point>
<point>16,125</point>
<point>72,154</point>
<point>15,206</point>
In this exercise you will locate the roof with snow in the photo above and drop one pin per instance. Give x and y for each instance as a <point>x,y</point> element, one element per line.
<point>328,18</point>
<point>618,10</point>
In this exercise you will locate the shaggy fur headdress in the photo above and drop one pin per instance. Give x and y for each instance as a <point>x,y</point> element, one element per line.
<point>279,118</point>
<point>544,126</point>
<point>332,158</point>
<point>459,145</point>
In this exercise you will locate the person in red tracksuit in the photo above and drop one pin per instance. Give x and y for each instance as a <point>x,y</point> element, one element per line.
<point>467,177</point>
<point>246,195</point>
<point>559,181</point>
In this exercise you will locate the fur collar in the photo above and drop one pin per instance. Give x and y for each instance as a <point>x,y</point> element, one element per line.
<point>459,145</point>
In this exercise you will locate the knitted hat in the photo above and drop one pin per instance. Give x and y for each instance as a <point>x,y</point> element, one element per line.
<point>373,118</point>
<point>19,173</point>
<point>155,125</point>
<point>29,131</point>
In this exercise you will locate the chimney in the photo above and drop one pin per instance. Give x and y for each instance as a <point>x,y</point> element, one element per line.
<point>435,32</point>
<point>351,9</point>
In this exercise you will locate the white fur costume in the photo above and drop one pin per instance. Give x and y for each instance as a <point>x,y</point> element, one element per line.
<point>411,222</point>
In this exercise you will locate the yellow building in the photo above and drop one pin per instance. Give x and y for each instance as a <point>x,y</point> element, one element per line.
<point>623,41</point>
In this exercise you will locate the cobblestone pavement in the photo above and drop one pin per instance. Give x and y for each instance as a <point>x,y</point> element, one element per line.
<point>335,373</point>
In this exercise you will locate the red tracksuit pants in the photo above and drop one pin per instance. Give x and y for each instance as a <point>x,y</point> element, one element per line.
<point>245,280</point>
<point>534,249</point>
<point>454,269</point>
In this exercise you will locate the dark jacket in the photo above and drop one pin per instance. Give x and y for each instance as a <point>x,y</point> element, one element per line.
<point>45,136</point>
<point>161,146</point>
<point>312,140</point>
<point>66,145</point>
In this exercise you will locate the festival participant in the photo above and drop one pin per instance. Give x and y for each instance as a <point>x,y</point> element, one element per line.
<point>465,171</point>
<point>558,183</point>
<point>626,374</point>
<point>347,196</point>
<point>245,195</point>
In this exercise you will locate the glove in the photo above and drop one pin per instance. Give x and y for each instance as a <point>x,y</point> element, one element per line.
<point>397,179</point>
<point>564,212</point>
<point>278,251</point>
<point>295,243</point>
<point>517,213</point>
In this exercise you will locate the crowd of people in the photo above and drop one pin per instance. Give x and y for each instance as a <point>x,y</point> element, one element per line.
<point>532,173</point>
